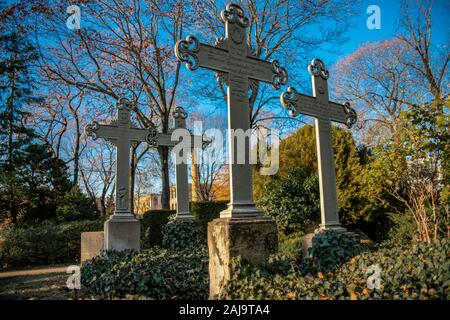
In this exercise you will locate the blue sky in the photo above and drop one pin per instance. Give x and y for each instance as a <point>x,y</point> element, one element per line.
<point>390,12</point>
<point>360,34</point>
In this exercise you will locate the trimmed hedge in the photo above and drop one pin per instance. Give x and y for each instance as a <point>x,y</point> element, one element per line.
<point>205,211</point>
<point>416,271</point>
<point>154,221</point>
<point>43,243</point>
<point>152,224</point>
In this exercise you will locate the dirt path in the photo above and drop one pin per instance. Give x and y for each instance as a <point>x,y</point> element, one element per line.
<point>33,271</point>
<point>40,283</point>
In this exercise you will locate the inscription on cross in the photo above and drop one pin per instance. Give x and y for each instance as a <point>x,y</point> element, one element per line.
<point>122,134</point>
<point>324,111</point>
<point>236,67</point>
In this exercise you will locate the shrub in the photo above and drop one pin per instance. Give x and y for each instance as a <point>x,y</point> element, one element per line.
<point>184,236</point>
<point>403,229</point>
<point>152,224</point>
<point>178,271</point>
<point>95,271</point>
<point>292,202</point>
<point>329,250</point>
<point>156,274</point>
<point>290,245</point>
<point>420,271</point>
<point>43,243</point>
<point>76,206</point>
<point>205,211</point>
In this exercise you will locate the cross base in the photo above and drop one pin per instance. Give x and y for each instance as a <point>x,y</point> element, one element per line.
<point>122,216</point>
<point>184,216</point>
<point>253,239</point>
<point>241,210</point>
<point>122,232</point>
<point>336,227</point>
<point>331,226</point>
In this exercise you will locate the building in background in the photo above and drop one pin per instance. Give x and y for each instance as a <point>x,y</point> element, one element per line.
<point>148,202</point>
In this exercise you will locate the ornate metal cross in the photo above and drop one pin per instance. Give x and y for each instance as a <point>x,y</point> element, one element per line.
<point>121,133</point>
<point>236,67</point>
<point>324,111</point>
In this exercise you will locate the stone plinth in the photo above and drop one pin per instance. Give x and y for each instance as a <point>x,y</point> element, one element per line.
<point>254,239</point>
<point>92,243</point>
<point>307,240</point>
<point>122,233</point>
<point>307,243</point>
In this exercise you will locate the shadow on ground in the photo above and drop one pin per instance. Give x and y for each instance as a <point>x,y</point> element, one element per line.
<point>43,286</point>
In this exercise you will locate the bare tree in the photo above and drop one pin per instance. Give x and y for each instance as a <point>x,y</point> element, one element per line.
<point>97,173</point>
<point>428,62</point>
<point>283,29</point>
<point>376,82</point>
<point>124,49</point>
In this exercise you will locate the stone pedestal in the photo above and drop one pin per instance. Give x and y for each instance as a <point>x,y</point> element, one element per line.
<point>252,238</point>
<point>307,240</point>
<point>122,233</point>
<point>92,243</point>
<point>306,244</point>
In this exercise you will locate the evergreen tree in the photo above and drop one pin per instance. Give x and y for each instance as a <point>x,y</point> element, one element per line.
<point>16,58</point>
<point>46,180</point>
<point>76,206</point>
<point>299,151</point>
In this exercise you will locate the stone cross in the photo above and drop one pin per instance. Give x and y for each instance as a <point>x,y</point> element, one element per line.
<point>238,68</point>
<point>323,111</point>
<point>121,133</point>
<point>156,139</point>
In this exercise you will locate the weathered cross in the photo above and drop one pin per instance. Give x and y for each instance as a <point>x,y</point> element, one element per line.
<point>123,134</point>
<point>236,67</point>
<point>156,139</point>
<point>324,111</point>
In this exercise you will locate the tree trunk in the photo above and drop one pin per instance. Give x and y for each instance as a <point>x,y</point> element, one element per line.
<point>132,176</point>
<point>163,152</point>
<point>12,78</point>
<point>76,156</point>
<point>10,167</point>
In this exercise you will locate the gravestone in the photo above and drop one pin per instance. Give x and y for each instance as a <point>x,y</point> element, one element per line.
<point>92,243</point>
<point>241,229</point>
<point>122,230</point>
<point>323,111</point>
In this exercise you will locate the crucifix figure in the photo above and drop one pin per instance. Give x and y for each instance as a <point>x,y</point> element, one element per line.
<point>323,111</point>
<point>123,134</point>
<point>236,67</point>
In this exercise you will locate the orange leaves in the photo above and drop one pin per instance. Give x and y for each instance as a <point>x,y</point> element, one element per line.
<point>292,295</point>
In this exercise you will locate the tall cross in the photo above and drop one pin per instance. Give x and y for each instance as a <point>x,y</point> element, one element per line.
<point>121,133</point>
<point>237,67</point>
<point>323,111</point>
<point>181,171</point>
